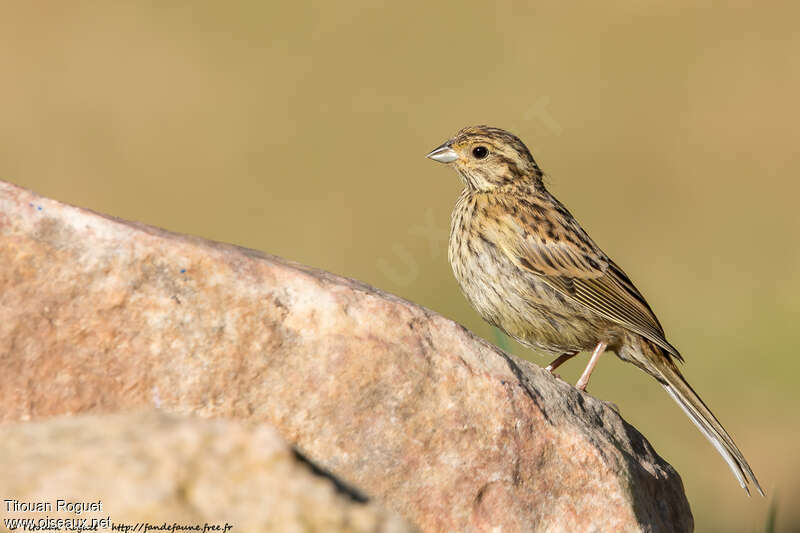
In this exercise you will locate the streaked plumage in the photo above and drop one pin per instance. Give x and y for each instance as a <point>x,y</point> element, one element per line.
<point>529,268</point>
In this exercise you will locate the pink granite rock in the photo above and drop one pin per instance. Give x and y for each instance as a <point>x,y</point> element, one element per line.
<point>155,468</point>
<point>98,314</point>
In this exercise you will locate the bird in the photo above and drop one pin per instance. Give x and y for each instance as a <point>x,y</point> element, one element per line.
<point>529,268</point>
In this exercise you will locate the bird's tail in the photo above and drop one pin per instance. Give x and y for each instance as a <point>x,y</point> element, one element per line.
<point>663,368</point>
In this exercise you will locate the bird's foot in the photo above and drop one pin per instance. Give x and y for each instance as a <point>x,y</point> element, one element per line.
<point>559,361</point>
<point>584,379</point>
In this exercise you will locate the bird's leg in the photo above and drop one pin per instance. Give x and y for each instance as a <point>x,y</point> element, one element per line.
<point>563,358</point>
<point>584,379</point>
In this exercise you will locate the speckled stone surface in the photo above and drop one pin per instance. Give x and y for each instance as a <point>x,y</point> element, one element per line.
<point>154,468</point>
<point>100,315</point>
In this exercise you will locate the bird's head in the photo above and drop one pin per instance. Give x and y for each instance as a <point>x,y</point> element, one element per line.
<point>488,158</point>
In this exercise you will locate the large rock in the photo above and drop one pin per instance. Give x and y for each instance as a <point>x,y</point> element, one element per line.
<point>98,314</point>
<point>158,469</point>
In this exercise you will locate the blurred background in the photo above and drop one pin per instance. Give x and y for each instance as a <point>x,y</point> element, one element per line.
<point>670,129</point>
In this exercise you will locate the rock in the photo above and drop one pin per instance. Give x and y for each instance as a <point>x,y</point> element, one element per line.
<point>154,468</point>
<point>98,315</point>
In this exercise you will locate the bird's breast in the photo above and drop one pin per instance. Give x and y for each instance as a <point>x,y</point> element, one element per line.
<point>517,301</point>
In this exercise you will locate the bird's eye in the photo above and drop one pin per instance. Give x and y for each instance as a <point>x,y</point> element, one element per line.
<point>480,152</point>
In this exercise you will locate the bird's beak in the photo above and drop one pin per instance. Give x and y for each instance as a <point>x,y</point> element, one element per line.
<point>443,154</point>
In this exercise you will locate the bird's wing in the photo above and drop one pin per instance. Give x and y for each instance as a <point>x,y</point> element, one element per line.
<point>563,256</point>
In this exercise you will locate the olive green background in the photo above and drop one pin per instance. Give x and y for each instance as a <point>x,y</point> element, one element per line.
<point>300,129</point>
